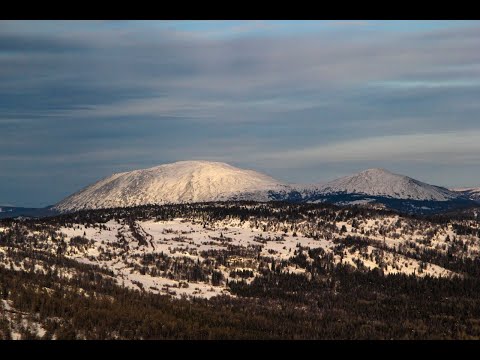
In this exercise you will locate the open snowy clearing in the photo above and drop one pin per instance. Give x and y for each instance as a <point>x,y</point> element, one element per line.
<point>181,238</point>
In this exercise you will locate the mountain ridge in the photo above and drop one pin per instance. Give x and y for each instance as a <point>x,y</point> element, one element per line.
<point>381,182</point>
<point>473,193</point>
<point>179,182</point>
<point>191,181</point>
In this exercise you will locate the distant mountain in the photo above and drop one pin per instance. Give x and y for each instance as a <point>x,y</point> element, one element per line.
<point>380,186</point>
<point>180,182</point>
<point>204,181</point>
<point>13,212</point>
<point>470,193</point>
<point>381,182</point>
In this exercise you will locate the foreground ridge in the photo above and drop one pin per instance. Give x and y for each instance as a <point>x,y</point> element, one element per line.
<point>240,270</point>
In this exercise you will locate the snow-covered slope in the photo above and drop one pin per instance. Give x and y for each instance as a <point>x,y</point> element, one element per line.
<point>183,181</point>
<point>381,182</point>
<point>470,193</point>
<point>202,181</point>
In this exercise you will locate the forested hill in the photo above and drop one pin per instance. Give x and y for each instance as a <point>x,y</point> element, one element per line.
<point>240,270</point>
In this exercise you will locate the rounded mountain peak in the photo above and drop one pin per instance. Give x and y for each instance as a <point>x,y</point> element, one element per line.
<point>376,171</point>
<point>179,182</point>
<point>196,163</point>
<point>382,182</point>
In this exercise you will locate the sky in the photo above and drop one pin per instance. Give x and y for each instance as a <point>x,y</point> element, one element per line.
<point>302,101</point>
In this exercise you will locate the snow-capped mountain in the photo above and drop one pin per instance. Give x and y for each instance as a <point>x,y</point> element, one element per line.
<point>470,193</point>
<point>203,181</point>
<point>180,182</point>
<point>381,182</point>
<point>380,187</point>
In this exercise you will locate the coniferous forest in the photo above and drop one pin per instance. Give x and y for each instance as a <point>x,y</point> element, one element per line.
<point>322,299</point>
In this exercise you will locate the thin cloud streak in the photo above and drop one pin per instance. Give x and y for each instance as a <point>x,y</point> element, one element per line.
<point>440,148</point>
<point>294,99</point>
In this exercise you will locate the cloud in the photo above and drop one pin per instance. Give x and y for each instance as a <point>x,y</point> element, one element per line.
<point>462,146</point>
<point>33,43</point>
<point>108,95</point>
<point>349,23</point>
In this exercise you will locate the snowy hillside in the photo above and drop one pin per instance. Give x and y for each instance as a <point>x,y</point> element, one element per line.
<point>470,193</point>
<point>157,255</point>
<point>381,182</point>
<point>183,181</point>
<point>98,274</point>
<point>206,181</point>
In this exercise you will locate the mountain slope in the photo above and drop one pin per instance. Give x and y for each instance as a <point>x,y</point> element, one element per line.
<point>183,181</point>
<point>470,193</point>
<point>204,181</point>
<point>381,182</point>
<point>384,189</point>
